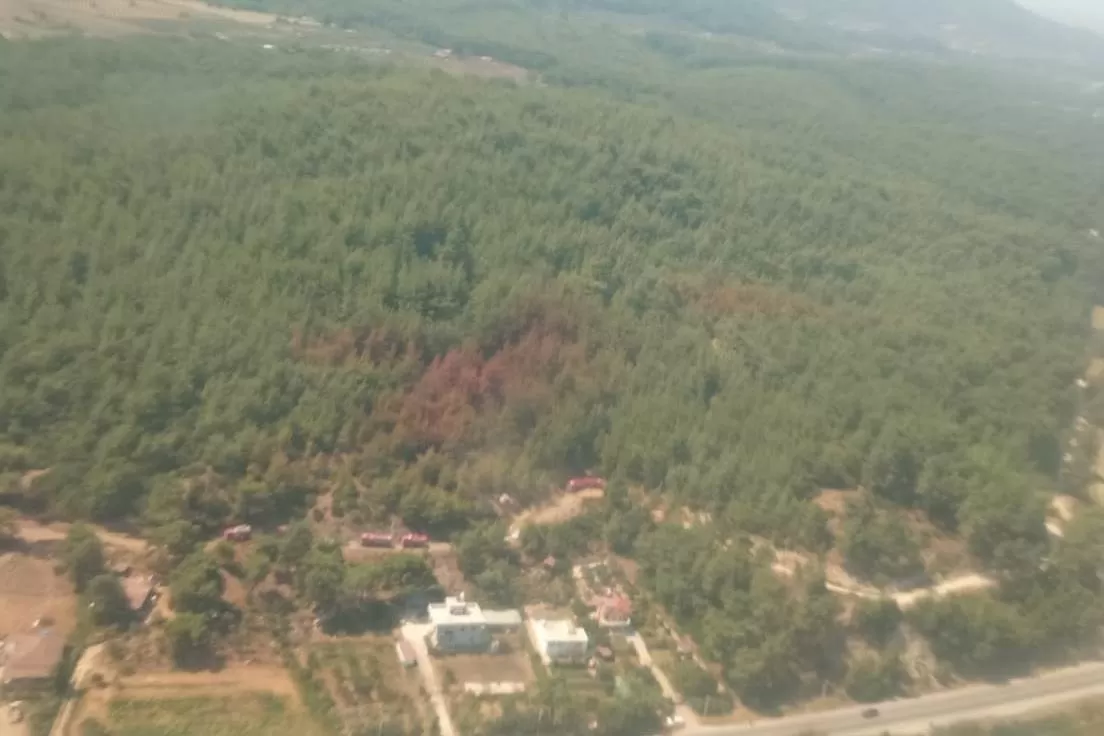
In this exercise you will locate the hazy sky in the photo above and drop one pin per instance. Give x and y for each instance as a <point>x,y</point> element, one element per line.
<point>1083,12</point>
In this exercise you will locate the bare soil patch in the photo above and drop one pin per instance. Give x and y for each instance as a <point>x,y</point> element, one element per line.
<point>564,507</point>
<point>482,66</point>
<point>108,18</point>
<point>33,532</point>
<point>31,590</point>
<point>1098,318</point>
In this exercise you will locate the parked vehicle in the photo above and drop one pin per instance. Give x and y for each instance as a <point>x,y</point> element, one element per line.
<point>408,541</point>
<point>871,713</point>
<point>377,539</point>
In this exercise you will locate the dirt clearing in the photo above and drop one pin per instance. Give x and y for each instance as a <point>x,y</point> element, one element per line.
<point>109,18</point>
<point>562,508</point>
<point>31,590</point>
<point>32,532</point>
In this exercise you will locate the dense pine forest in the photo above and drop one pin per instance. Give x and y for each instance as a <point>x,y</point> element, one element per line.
<point>231,280</point>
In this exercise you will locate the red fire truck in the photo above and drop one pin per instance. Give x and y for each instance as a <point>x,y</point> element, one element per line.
<point>413,540</point>
<point>377,539</point>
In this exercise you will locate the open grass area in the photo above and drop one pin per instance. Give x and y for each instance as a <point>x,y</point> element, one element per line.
<point>240,715</point>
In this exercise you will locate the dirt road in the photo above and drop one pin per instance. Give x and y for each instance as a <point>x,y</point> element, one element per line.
<point>416,634</point>
<point>684,711</point>
<point>32,531</point>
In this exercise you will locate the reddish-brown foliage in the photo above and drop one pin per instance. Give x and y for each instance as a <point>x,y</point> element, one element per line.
<point>460,387</point>
<point>722,299</point>
<point>376,346</point>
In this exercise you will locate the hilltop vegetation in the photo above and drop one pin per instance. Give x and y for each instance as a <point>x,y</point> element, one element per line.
<point>232,280</point>
<point>417,270</point>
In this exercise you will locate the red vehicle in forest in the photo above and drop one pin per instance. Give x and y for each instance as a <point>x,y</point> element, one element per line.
<point>585,483</point>
<point>408,541</point>
<point>377,539</point>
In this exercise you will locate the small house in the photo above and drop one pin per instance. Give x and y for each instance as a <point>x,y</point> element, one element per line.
<point>615,612</point>
<point>561,642</point>
<point>460,626</point>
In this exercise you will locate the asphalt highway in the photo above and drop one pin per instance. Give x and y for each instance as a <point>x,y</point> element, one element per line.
<point>918,715</point>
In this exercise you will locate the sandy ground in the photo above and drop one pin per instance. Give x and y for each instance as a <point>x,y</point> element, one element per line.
<point>30,590</point>
<point>8,728</point>
<point>1098,318</point>
<point>32,531</point>
<point>787,563</point>
<point>562,508</point>
<point>36,18</point>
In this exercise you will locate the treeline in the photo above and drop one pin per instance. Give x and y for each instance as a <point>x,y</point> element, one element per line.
<point>230,281</point>
<point>462,290</point>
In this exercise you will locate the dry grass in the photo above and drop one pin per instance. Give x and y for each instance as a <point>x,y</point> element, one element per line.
<point>1098,318</point>
<point>564,507</point>
<point>367,682</point>
<point>512,665</point>
<point>481,67</point>
<point>148,701</point>
<point>238,714</point>
<point>109,18</point>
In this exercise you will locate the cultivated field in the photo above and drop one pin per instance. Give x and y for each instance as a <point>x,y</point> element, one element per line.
<point>240,700</point>
<point>238,715</point>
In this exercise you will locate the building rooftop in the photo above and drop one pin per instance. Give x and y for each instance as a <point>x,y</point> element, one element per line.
<point>31,656</point>
<point>455,610</point>
<point>562,631</point>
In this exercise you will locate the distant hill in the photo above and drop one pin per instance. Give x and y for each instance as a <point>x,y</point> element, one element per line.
<point>988,27</point>
<point>996,27</point>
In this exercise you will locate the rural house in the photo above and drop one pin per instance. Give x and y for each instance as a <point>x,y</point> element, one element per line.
<point>561,642</point>
<point>459,626</point>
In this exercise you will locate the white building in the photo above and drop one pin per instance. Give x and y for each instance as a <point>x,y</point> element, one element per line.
<point>460,626</point>
<point>561,641</point>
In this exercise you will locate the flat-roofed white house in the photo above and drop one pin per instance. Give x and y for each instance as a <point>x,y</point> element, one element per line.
<point>460,626</point>
<point>561,641</point>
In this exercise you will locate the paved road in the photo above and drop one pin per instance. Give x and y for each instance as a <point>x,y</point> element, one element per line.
<point>918,715</point>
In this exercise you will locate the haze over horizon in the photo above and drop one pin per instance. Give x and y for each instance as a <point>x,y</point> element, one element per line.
<point>1085,13</point>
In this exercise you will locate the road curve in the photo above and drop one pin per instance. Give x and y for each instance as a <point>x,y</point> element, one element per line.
<point>918,715</point>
